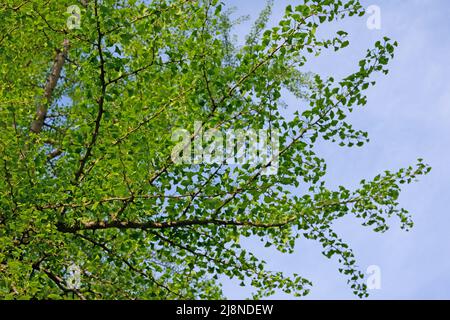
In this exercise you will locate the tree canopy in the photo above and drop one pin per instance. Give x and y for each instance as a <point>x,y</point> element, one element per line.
<point>89,100</point>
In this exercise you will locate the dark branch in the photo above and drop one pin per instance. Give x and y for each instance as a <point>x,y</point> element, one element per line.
<point>116,224</point>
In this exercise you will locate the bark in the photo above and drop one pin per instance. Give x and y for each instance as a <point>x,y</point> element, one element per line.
<point>52,80</point>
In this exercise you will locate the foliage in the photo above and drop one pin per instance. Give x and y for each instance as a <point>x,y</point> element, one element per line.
<point>96,187</point>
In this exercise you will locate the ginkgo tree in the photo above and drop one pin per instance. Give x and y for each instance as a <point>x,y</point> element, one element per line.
<point>89,100</point>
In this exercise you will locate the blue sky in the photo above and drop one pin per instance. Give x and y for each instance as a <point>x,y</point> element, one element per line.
<point>407,117</point>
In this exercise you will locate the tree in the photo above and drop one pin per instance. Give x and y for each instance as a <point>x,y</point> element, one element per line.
<point>88,180</point>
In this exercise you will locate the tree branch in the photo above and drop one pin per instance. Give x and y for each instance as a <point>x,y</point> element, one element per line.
<point>52,80</point>
<point>117,224</point>
<point>60,284</point>
<point>100,101</point>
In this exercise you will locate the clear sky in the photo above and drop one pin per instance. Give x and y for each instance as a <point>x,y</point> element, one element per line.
<point>407,117</point>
